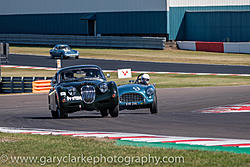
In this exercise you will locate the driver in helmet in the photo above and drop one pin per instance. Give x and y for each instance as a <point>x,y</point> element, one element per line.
<point>145,79</point>
<point>68,76</point>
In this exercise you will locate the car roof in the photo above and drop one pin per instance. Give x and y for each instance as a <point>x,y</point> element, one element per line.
<point>62,45</point>
<point>79,66</point>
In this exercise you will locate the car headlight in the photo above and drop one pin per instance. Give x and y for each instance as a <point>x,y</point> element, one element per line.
<point>72,91</point>
<point>103,87</point>
<point>150,91</point>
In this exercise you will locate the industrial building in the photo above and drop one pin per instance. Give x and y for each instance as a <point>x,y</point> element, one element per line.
<point>187,20</point>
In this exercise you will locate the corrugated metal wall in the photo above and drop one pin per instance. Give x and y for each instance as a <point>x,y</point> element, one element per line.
<point>176,15</point>
<point>132,23</point>
<point>217,26</point>
<point>43,24</point>
<point>114,23</point>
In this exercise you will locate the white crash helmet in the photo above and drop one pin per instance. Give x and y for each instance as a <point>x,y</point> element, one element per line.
<point>145,79</point>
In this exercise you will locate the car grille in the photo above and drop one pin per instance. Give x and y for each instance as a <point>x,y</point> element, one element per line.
<point>88,94</point>
<point>131,97</point>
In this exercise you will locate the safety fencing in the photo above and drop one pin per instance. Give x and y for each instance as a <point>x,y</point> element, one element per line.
<point>24,84</point>
<point>86,41</point>
<point>41,86</point>
<point>221,47</point>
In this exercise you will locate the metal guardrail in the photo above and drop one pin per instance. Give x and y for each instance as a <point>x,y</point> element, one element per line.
<point>86,41</point>
<point>19,84</point>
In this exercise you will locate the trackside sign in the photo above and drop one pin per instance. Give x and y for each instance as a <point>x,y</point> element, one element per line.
<point>124,73</point>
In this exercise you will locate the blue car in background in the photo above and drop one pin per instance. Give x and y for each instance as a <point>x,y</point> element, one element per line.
<point>137,95</point>
<point>63,51</point>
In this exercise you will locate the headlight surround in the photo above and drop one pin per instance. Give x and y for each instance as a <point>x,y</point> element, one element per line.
<point>72,91</point>
<point>103,87</point>
<point>150,91</point>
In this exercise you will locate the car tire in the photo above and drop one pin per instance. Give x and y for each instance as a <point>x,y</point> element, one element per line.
<point>76,57</point>
<point>104,112</point>
<point>154,107</point>
<point>114,112</point>
<point>59,113</point>
<point>54,114</point>
<point>52,57</point>
<point>62,56</point>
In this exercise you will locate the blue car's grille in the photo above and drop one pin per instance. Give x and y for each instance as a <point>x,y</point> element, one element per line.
<point>88,94</point>
<point>131,97</point>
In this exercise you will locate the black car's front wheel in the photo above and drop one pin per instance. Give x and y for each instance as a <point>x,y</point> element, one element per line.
<point>54,114</point>
<point>59,113</point>
<point>154,107</point>
<point>104,112</point>
<point>114,112</point>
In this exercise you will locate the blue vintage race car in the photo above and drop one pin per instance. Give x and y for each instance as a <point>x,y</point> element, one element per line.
<point>137,95</point>
<point>63,51</point>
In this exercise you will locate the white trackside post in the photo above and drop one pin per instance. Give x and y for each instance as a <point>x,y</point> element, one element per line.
<point>58,64</point>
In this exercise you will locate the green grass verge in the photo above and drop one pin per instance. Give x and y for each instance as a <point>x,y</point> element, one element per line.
<point>161,80</point>
<point>47,147</point>
<point>169,55</point>
<point>184,146</point>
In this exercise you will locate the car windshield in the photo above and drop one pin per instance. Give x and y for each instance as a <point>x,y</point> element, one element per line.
<point>81,74</point>
<point>64,47</point>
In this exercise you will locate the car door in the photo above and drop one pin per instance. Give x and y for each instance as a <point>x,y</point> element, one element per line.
<point>57,51</point>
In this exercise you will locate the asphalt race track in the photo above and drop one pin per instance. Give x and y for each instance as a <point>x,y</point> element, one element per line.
<point>45,61</point>
<point>178,114</point>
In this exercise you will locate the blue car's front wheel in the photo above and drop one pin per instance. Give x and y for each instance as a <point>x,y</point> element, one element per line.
<point>61,56</point>
<point>51,56</point>
<point>154,107</point>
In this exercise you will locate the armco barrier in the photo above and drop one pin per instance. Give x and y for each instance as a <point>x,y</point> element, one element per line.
<point>222,47</point>
<point>19,84</point>
<point>86,41</point>
<point>41,86</point>
<point>210,46</point>
<point>231,47</point>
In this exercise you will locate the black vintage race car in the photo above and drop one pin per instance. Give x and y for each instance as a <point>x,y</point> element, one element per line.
<point>82,88</point>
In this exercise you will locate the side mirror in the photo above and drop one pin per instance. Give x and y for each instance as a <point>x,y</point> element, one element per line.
<point>53,81</point>
<point>108,75</point>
